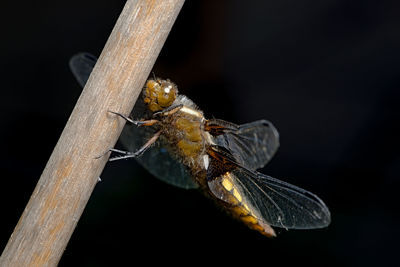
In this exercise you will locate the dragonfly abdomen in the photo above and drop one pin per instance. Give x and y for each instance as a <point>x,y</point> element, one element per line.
<point>235,203</point>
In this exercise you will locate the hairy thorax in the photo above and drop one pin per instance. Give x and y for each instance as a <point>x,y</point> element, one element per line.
<point>184,129</point>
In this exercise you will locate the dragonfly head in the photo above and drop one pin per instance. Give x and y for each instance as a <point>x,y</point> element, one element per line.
<point>159,94</point>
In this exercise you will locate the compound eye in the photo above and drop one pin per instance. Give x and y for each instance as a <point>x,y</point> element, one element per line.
<point>166,96</point>
<point>159,94</point>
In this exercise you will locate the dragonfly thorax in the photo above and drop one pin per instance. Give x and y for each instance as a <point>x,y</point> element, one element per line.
<point>185,130</point>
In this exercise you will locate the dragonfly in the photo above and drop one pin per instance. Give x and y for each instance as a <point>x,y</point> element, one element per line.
<point>169,135</point>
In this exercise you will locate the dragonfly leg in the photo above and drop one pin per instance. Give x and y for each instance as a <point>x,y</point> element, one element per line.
<point>137,123</point>
<point>168,111</point>
<point>128,154</point>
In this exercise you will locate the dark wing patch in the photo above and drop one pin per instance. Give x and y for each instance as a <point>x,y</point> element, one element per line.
<point>251,144</point>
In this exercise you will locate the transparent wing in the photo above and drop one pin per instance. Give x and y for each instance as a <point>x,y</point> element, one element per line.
<point>81,66</point>
<point>251,144</point>
<point>157,160</point>
<point>275,202</point>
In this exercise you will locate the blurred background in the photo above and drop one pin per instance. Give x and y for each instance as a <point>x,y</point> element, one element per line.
<point>326,73</point>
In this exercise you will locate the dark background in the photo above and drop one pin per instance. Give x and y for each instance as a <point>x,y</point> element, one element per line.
<point>326,73</point>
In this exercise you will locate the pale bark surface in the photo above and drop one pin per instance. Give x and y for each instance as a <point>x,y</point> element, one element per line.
<point>72,171</point>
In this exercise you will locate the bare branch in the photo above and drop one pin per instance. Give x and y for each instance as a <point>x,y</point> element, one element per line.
<point>72,171</point>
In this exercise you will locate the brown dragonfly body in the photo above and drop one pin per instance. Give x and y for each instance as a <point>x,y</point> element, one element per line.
<point>171,138</point>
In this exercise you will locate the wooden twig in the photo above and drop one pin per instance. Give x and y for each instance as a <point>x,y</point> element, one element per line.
<point>72,171</point>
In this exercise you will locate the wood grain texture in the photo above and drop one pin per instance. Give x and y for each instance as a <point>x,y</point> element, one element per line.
<point>72,171</point>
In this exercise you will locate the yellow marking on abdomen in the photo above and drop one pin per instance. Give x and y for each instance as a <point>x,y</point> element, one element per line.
<point>227,184</point>
<point>241,210</point>
<point>249,219</point>
<point>237,195</point>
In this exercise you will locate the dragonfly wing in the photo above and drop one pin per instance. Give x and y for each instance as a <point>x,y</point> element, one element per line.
<point>157,159</point>
<point>275,202</point>
<point>251,144</point>
<point>81,66</point>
